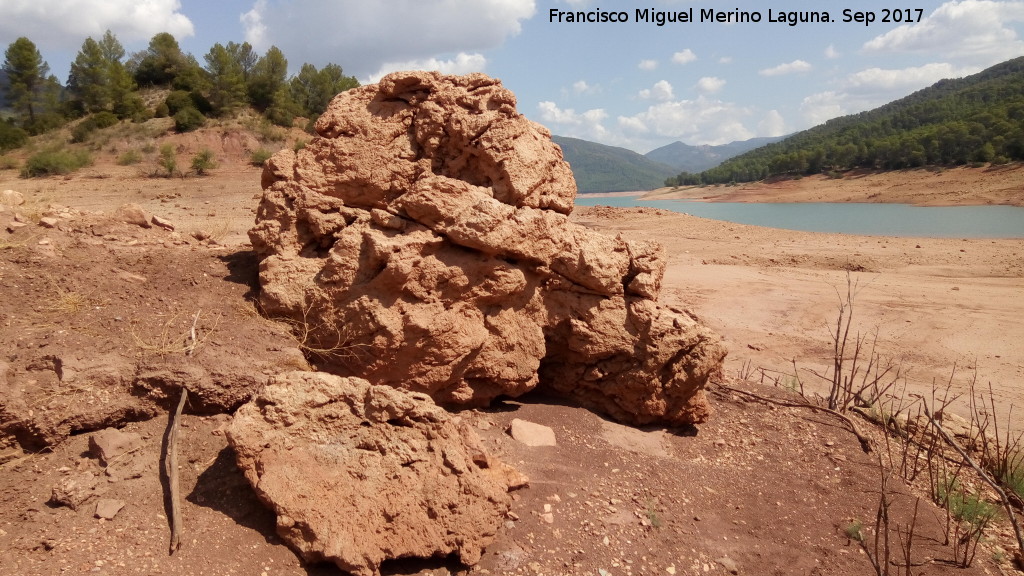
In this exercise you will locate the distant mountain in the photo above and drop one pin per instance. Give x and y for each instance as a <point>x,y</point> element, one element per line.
<point>978,118</point>
<point>687,158</point>
<point>600,168</point>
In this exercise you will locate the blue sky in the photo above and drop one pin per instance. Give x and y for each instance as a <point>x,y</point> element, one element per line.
<point>633,84</point>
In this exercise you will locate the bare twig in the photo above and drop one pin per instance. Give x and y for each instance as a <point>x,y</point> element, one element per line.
<point>171,467</point>
<point>1003,498</point>
<point>865,442</point>
<point>192,341</point>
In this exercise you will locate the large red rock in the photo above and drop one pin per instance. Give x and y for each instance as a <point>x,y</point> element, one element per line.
<point>423,241</point>
<point>358,474</point>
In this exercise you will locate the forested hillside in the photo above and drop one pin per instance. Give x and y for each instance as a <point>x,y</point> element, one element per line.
<point>600,168</point>
<point>979,118</point>
<point>105,87</point>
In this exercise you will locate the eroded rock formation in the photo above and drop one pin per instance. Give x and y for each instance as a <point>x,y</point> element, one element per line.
<point>358,474</point>
<point>423,242</point>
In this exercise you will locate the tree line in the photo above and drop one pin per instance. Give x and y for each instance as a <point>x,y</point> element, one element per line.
<point>979,118</point>
<point>105,82</point>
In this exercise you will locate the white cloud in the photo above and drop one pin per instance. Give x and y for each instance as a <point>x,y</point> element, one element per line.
<point>710,84</point>
<point>581,87</point>
<point>971,30</point>
<point>873,87</point>
<point>65,24</point>
<point>365,36</point>
<point>883,82</point>
<point>567,122</point>
<point>700,121</point>
<point>823,106</point>
<point>831,53</point>
<point>462,64</point>
<point>788,68</point>
<point>773,124</point>
<point>725,60</point>
<point>662,91</point>
<point>648,64</point>
<point>684,57</point>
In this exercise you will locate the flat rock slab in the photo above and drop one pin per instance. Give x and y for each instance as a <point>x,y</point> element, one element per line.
<point>359,474</point>
<point>111,443</point>
<point>532,434</point>
<point>107,508</point>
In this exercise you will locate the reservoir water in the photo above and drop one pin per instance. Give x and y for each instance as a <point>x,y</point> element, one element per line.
<point>864,218</point>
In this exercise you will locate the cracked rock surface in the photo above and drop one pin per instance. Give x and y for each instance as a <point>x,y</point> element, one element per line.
<point>422,241</point>
<point>358,474</point>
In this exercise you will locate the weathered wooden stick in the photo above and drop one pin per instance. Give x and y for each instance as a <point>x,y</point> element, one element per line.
<point>171,467</point>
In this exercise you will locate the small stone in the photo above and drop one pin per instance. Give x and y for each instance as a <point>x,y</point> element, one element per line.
<point>531,434</point>
<point>13,226</point>
<point>671,569</point>
<point>165,224</point>
<point>107,508</point>
<point>729,564</point>
<point>48,222</point>
<point>201,235</point>
<point>74,491</point>
<point>548,518</point>
<point>112,443</point>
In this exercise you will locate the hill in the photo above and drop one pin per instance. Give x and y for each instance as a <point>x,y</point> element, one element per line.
<point>979,118</point>
<point>699,158</point>
<point>600,168</point>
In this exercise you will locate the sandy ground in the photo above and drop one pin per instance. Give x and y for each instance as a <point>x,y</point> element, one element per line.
<point>936,304</point>
<point>771,490</point>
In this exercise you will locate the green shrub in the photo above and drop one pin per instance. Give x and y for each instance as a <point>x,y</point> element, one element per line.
<point>260,156</point>
<point>188,119</point>
<point>203,161</point>
<point>162,110</point>
<point>97,121</point>
<point>299,145</point>
<point>53,161</point>
<point>177,101</point>
<point>11,136</point>
<point>9,163</point>
<point>167,160</point>
<point>130,157</point>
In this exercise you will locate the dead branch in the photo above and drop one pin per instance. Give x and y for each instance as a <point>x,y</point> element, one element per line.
<point>171,467</point>
<point>865,442</point>
<point>1003,498</point>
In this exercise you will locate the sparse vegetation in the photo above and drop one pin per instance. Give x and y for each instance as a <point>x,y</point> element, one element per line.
<point>129,157</point>
<point>260,156</point>
<point>168,160</point>
<point>54,161</point>
<point>203,161</point>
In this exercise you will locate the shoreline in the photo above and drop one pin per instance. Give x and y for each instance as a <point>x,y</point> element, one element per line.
<point>962,186</point>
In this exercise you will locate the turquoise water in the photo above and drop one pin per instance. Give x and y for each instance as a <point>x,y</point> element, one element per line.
<point>866,219</point>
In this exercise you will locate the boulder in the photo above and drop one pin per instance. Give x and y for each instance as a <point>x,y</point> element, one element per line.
<point>12,198</point>
<point>358,474</point>
<point>423,241</point>
<point>132,213</point>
